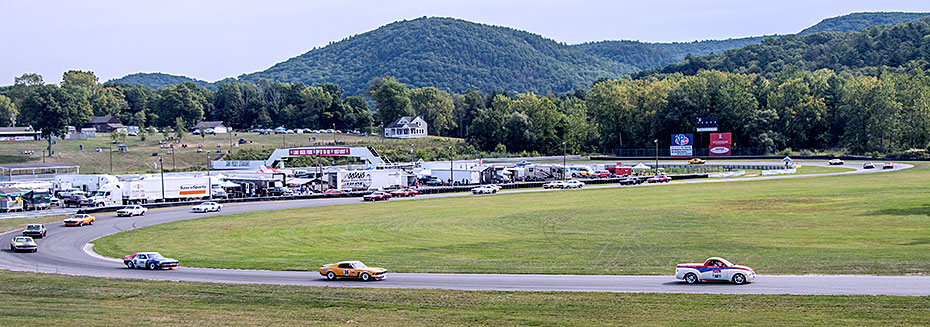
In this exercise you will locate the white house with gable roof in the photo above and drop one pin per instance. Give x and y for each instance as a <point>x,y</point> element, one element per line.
<point>407,127</point>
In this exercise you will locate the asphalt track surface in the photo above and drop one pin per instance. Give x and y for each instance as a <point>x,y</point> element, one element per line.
<point>65,250</point>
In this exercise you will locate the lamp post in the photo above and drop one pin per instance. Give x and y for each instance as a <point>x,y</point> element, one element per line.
<point>563,161</point>
<point>161,168</point>
<point>411,154</point>
<point>111,158</point>
<point>284,139</point>
<point>451,169</point>
<point>174,164</point>
<point>334,134</point>
<point>656,141</point>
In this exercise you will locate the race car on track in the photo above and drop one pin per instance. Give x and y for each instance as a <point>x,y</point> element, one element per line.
<point>377,196</point>
<point>868,165</point>
<point>80,220</point>
<point>334,191</point>
<point>23,243</point>
<point>714,269</point>
<point>207,207</point>
<point>35,230</point>
<point>602,173</point>
<point>572,184</point>
<point>888,165</point>
<point>498,187</point>
<point>834,162</point>
<point>404,192</point>
<point>150,260</point>
<point>556,184</point>
<point>134,210</point>
<point>352,269</point>
<point>696,161</point>
<point>660,178</point>
<point>484,189</point>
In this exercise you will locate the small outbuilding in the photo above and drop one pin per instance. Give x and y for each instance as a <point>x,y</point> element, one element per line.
<point>407,127</point>
<point>104,124</point>
<point>211,127</point>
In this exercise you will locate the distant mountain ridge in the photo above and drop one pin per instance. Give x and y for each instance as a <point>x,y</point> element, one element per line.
<point>457,55</point>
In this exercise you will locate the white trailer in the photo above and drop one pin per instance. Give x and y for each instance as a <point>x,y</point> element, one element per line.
<point>460,176</point>
<point>371,179</point>
<point>86,183</point>
<point>149,189</point>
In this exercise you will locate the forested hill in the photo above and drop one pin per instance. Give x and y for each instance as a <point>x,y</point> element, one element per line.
<point>157,80</point>
<point>451,54</point>
<point>865,50</point>
<point>858,21</point>
<point>458,56</point>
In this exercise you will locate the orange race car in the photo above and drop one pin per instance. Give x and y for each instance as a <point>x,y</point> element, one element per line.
<point>352,269</point>
<point>80,220</point>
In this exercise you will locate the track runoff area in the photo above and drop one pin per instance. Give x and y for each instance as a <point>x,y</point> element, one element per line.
<point>70,251</point>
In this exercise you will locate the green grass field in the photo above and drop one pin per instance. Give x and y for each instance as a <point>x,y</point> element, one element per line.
<point>139,157</point>
<point>858,224</point>
<point>32,299</point>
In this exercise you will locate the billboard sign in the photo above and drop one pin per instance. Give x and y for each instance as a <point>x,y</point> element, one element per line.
<point>720,144</point>
<point>706,124</point>
<point>318,151</point>
<point>682,145</point>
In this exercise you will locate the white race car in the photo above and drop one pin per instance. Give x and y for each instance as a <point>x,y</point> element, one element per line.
<point>133,210</point>
<point>207,207</point>
<point>572,184</point>
<point>714,269</point>
<point>484,189</point>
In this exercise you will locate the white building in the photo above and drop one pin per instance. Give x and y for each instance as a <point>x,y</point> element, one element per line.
<point>210,127</point>
<point>406,127</point>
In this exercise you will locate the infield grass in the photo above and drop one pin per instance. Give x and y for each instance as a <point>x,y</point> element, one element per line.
<point>53,300</point>
<point>852,224</point>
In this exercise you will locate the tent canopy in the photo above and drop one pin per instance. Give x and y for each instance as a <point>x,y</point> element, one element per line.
<point>641,166</point>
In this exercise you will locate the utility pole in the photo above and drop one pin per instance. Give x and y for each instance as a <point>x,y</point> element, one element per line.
<point>411,154</point>
<point>174,164</point>
<point>656,141</point>
<point>161,167</point>
<point>111,158</point>
<point>563,161</point>
<point>209,180</point>
<point>334,134</point>
<point>451,169</point>
<point>284,139</point>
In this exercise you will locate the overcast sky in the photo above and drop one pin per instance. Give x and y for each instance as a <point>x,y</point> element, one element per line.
<point>213,39</point>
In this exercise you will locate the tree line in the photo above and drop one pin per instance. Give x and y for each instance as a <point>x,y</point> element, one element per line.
<point>797,109</point>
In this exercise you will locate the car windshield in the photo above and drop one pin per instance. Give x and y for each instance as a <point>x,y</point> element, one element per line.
<point>205,204</point>
<point>32,227</point>
<point>77,217</point>
<point>358,265</point>
<point>21,239</point>
<point>155,256</point>
<point>725,262</point>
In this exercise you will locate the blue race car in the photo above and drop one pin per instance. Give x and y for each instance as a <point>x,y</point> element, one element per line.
<point>150,260</point>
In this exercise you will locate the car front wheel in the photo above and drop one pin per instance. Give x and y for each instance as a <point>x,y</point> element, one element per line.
<point>331,276</point>
<point>152,266</point>
<point>739,279</point>
<point>366,277</point>
<point>691,278</point>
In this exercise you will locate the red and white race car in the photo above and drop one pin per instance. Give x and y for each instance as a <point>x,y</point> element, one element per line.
<point>660,178</point>
<point>714,269</point>
<point>404,192</point>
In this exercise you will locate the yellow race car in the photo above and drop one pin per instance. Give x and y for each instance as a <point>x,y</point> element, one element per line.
<point>696,161</point>
<point>23,243</point>
<point>556,184</point>
<point>352,269</point>
<point>80,220</point>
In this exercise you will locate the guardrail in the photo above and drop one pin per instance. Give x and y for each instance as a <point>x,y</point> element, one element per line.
<point>423,190</point>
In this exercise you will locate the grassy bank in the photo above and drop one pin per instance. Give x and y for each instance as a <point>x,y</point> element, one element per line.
<point>852,224</point>
<point>139,157</point>
<point>53,300</point>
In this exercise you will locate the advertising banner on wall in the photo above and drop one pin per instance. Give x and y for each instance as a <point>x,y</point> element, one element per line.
<point>682,145</point>
<point>720,144</point>
<point>319,151</point>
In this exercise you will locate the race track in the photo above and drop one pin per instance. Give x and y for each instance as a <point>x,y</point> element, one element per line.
<point>66,251</point>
